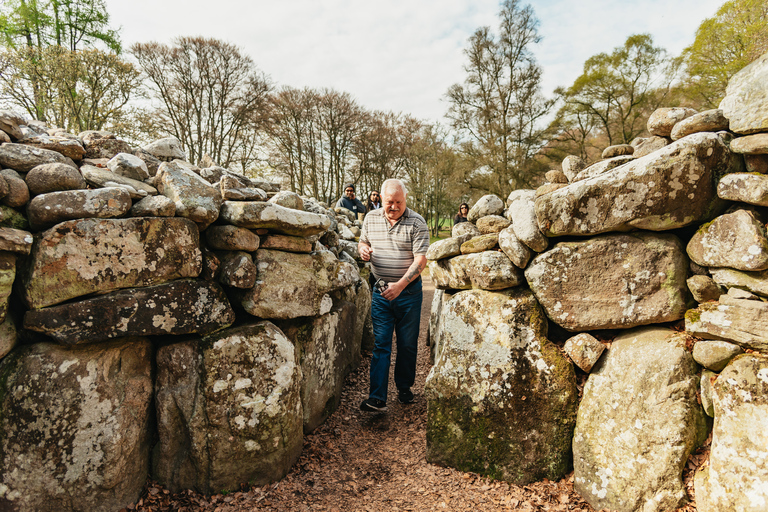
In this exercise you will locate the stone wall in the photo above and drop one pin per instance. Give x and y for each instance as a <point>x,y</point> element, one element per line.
<point>650,268</point>
<point>159,317</point>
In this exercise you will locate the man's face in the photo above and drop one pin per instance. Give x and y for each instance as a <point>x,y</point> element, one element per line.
<point>393,202</point>
<point>349,192</point>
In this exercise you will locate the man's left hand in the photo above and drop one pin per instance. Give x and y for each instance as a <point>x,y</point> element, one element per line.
<point>394,290</point>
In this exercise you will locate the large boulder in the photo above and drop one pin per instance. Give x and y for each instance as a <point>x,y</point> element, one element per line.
<point>75,428</point>
<point>501,398</point>
<point>328,351</point>
<point>746,99</point>
<point>80,257</point>
<point>488,270</point>
<point>638,422</point>
<point>228,410</point>
<point>49,209</point>
<point>612,281</point>
<point>736,475</point>
<point>53,178</point>
<point>668,189</point>
<point>179,307</point>
<point>23,158</point>
<point>195,198</point>
<point>275,218</point>
<point>735,240</point>
<point>291,285</point>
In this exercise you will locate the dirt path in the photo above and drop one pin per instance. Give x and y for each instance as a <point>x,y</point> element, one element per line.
<point>362,462</point>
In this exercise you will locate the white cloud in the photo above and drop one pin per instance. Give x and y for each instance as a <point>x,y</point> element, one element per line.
<point>402,55</point>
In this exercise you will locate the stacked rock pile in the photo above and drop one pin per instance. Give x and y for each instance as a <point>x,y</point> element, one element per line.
<point>159,314</point>
<point>624,250</point>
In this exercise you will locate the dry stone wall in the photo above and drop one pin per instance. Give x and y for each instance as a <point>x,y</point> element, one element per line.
<point>652,267</point>
<point>159,317</point>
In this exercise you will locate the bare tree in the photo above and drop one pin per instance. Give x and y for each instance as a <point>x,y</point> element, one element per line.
<point>212,95</point>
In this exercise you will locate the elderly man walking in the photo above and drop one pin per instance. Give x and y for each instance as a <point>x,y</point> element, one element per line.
<point>395,240</point>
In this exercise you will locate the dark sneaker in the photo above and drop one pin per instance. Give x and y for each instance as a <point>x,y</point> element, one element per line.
<point>373,405</point>
<point>405,396</point>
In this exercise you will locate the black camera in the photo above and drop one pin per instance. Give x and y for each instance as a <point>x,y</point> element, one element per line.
<point>380,285</point>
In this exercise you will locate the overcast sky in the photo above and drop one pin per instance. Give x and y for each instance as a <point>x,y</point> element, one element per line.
<point>402,55</point>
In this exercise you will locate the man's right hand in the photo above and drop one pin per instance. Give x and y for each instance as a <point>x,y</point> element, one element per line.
<point>365,251</point>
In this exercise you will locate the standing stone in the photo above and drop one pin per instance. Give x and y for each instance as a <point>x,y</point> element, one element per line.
<point>735,240</point>
<point>291,285</point>
<point>707,121</point>
<point>23,158</point>
<point>670,188</point>
<point>736,475</point>
<point>195,198</point>
<point>501,398</point>
<point>53,178</point>
<point>52,208</point>
<point>327,354</point>
<point>179,307</point>
<point>612,281</point>
<point>276,218</point>
<point>487,205</point>
<point>663,120</point>
<point>746,99</point>
<point>638,422</point>
<point>228,410</point>
<point>86,256</point>
<point>75,429</point>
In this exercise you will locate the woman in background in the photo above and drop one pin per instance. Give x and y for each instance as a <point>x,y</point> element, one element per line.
<point>462,215</point>
<point>374,201</point>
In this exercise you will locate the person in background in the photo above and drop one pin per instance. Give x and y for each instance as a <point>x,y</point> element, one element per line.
<point>350,202</point>
<point>395,240</point>
<point>462,215</point>
<point>374,201</point>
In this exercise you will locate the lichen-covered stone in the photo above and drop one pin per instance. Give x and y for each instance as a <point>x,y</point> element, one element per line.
<point>53,178</point>
<point>18,192</point>
<point>75,429</point>
<point>618,150</point>
<point>501,399</point>
<point>327,354</point>
<point>744,322</point>
<point>556,176</point>
<point>276,218</point>
<point>715,354</point>
<point>49,209</point>
<point>10,218</point>
<point>85,256</point>
<point>23,158</point>
<point>480,243</point>
<point>288,243</point>
<point>670,188</point>
<point>166,149</point>
<point>487,205</point>
<point>755,282</point>
<point>519,253</point>
<point>638,422</point>
<point>237,269</point>
<point>491,224</point>
<point>521,211</point>
<point>129,166</point>
<point>756,144</point>
<point>288,199</point>
<point>703,288</point>
<point>745,188</point>
<point>444,249</point>
<point>100,178</point>
<point>489,270</point>
<point>179,307</point>
<point>291,285</point>
<point>649,145</point>
<point>746,99</point>
<point>661,122</point>
<point>7,276</point>
<point>612,281</point>
<point>195,198</point>
<point>105,147</point>
<point>8,336</point>
<point>15,240</point>
<point>602,167</point>
<point>735,240</point>
<point>735,479</point>
<point>573,165</point>
<point>705,392</point>
<point>228,410</point>
<point>465,228</point>
<point>584,350</point>
<point>231,238</point>
<point>707,121</point>
<point>153,206</point>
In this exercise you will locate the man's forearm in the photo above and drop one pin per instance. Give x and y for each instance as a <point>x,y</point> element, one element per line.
<point>416,268</point>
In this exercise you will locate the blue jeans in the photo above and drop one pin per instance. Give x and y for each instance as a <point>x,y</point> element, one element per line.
<point>401,316</point>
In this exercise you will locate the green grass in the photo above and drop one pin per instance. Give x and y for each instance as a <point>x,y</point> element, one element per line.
<point>444,233</point>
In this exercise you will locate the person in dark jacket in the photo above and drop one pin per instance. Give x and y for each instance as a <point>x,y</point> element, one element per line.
<point>350,202</point>
<point>462,215</point>
<point>374,201</point>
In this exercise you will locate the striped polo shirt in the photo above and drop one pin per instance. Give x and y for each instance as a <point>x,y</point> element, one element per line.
<point>394,246</point>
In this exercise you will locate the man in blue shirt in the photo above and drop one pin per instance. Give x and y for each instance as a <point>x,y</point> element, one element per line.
<point>349,201</point>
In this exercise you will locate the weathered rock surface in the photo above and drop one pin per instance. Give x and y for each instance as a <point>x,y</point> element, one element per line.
<point>288,199</point>
<point>129,166</point>
<point>291,285</point>
<point>611,282</point>
<point>292,243</point>
<point>516,251</point>
<point>556,176</point>
<point>9,123</point>
<point>573,165</point>
<point>15,240</point>
<point>8,336</point>
<point>707,121</point>
<point>195,198</point>
<point>444,249</point>
<point>649,145</point>
<point>629,453</point>
<point>703,288</point>
<point>100,178</point>
<point>735,240</point>
<point>74,433</point>
<point>663,120</point>
<point>746,99</point>
<point>745,188</point>
<point>23,158</point>
<point>179,307</point>
<point>487,205</point>
<point>756,144</point>
<point>756,163</point>
<point>501,399</point>
<point>618,150</point>
<point>80,257</point>
<point>715,354</point>
<point>238,188</point>
<point>7,276</point>
<point>670,188</point>
<point>106,147</point>
<point>521,210</point>
<point>327,354</point>
<point>584,350</point>
<point>18,192</point>
<point>756,282</point>
<point>228,410</point>
<point>231,238</point>
<point>53,178</point>
<point>603,167</point>
<point>480,243</point>
<point>166,149</point>
<point>734,479</point>
<point>491,224</point>
<point>744,322</point>
<point>153,206</point>
<point>237,269</point>
<point>49,209</point>
<point>276,218</point>
<point>465,228</point>
<point>489,270</point>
